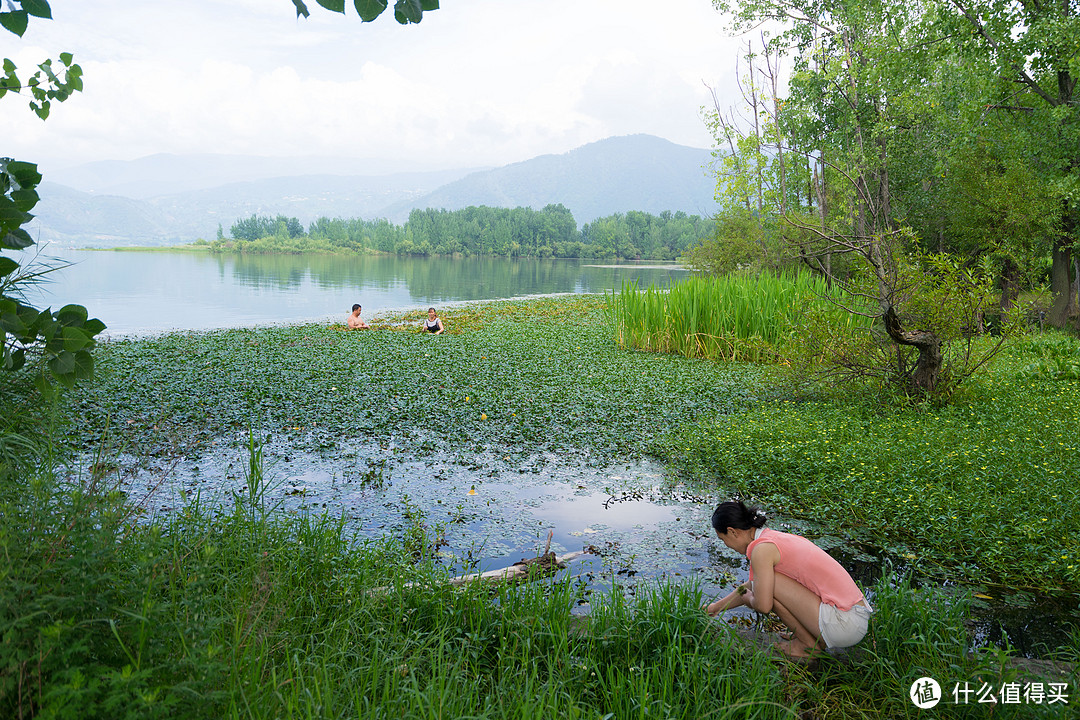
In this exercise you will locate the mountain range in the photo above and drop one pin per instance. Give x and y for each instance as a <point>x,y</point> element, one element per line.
<point>170,199</point>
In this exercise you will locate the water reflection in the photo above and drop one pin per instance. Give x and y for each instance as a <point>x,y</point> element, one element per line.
<point>150,292</point>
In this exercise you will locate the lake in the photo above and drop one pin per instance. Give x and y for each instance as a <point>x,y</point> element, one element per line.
<point>138,293</point>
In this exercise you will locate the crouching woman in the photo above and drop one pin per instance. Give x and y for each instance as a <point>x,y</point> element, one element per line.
<point>789,575</point>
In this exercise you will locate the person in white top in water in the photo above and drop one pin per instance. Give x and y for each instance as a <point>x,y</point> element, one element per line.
<point>354,320</point>
<point>433,324</point>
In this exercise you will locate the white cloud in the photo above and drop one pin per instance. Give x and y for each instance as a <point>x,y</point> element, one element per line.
<point>481,82</point>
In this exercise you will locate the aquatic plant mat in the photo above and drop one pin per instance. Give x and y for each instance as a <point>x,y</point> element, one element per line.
<point>243,598</point>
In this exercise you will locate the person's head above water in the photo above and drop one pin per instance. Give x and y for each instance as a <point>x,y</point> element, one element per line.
<point>733,514</point>
<point>355,307</point>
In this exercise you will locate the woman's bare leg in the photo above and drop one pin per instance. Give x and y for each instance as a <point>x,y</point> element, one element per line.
<point>797,608</point>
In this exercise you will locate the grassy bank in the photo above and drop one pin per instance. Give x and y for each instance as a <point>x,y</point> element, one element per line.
<point>231,612</point>
<point>982,490</point>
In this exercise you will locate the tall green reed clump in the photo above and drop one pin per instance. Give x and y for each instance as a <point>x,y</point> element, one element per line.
<point>732,317</point>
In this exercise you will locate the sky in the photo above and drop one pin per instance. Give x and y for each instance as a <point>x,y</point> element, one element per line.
<point>477,83</point>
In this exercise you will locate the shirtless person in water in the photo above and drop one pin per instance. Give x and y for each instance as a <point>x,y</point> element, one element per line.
<point>355,322</point>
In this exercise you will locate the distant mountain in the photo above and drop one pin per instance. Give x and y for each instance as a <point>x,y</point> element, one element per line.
<point>165,174</point>
<point>75,218</point>
<point>633,172</point>
<point>125,203</point>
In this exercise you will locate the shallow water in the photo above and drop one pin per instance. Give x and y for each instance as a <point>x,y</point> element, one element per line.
<point>485,512</point>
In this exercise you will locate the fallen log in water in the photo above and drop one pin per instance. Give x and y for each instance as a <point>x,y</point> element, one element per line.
<point>542,566</point>
<point>530,569</point>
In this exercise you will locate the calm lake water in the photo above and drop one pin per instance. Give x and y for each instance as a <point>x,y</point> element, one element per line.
<point>137,293</point>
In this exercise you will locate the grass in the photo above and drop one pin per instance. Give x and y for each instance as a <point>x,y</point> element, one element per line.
<point>235,612</point>
<point>219,612</point>
<point>733,317</point>
<point>983,489</point>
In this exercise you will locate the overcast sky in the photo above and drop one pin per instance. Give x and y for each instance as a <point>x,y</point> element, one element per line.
<point>478,82</point>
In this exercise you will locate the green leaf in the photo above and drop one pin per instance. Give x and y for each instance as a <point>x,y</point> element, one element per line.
<point>9,214</point>
<point>301,8</point>
<point>25,173</point>
<point>7,266</point>
<point>16,240</point>
<point>71,315</point>
<point>15,360</point>
<point>93,326</point>
<point>37,8</point>
<point>337,6</point>
<point>62,363</point>
<point>408,11</point>
<point>12,324</point>
<point>15,21</point>
<point>368,10</point>
<point>84,364</point>
<point>75,339</point>
<point>428,5</point>
<point>25,200</point>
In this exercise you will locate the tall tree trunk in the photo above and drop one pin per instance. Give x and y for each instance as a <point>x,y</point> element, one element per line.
<point>1010,284</point>
<point>1061,285</point>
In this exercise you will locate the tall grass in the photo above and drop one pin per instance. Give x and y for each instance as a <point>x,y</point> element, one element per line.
<point>733,317</point>
<point>215,613</point>
<point>224,612</point>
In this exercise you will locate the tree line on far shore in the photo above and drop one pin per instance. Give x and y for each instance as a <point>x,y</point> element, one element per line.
<point>510,232</point>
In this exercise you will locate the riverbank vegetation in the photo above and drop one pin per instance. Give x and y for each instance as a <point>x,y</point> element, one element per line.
<point>537,376</point>
<point>509,232</point>
<point>230,611</point>
<point>214,611</point>
<point>731,317</point>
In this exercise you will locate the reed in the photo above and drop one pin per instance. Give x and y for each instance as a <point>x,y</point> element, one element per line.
<point>734,317</point>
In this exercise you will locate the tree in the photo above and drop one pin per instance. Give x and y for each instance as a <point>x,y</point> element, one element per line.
<point>839,157</point>
<point>63,339</point>
<point>1035,47</point>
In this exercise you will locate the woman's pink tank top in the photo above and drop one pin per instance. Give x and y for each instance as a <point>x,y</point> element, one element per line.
<point>810,566</point>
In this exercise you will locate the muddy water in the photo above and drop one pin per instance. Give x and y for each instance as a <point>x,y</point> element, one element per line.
<point>485,512</point>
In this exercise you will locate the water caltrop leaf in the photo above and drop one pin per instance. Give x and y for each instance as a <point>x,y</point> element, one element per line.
<point>368,10</point>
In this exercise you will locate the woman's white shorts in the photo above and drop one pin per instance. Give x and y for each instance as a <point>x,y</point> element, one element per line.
<point>843,628</point>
